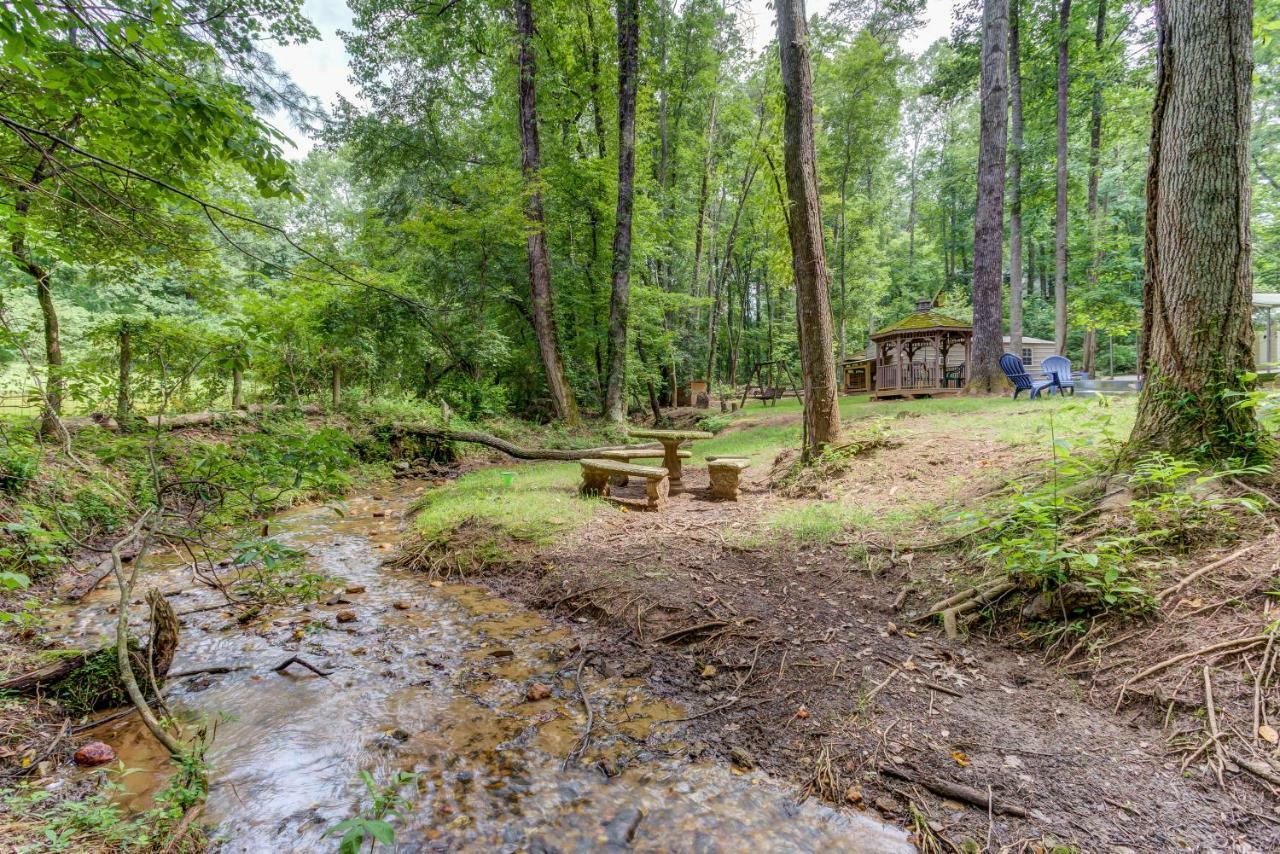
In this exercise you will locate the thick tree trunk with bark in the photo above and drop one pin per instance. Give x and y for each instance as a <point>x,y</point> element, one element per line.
<point>808,259</point>
<point>620,296</point>
<point>1060,217</point>
<point>1197,333</point>
<point>985,374</point>
<point>237,388</point>
<point>542,308</point>
<point>1016,288</point>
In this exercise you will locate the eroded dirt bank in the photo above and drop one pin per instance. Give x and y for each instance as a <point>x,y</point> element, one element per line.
<point>803,661</point>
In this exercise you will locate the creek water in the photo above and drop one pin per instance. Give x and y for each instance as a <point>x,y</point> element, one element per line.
<point>435,680</point>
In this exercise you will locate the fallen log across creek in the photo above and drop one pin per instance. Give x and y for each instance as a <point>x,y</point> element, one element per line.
<point>511,449</point>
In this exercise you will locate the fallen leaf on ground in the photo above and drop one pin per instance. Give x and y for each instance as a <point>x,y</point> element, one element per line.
<point>1268,734</point>
<point>960,758</point>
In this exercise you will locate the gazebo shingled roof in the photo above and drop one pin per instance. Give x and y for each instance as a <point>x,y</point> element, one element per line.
<point>927,319</point>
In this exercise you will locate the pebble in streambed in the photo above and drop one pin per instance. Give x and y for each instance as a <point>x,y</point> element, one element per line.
<point>470,693</point>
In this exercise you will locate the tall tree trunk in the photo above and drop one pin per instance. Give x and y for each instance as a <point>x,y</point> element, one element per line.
<point>335,388</point>
<point>125,345</point>
<point>237,388</point>
<point>1197,333</point>
<point>808,255</point>
<point>44,296</point>
<point>1016,288</point>
<point>913,204</point>
<point>620,297</point>
<point>842,227</point>
<point>718,277</point>
<point>54,383</point>
<point>988,238</point>
<point>542,308</point>
<point>1089,359</point>
<point>1095,164</point>
<point>1060,217</point>
<point>703,192</point>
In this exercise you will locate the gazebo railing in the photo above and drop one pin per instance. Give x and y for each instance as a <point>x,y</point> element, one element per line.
<point>916,375</point>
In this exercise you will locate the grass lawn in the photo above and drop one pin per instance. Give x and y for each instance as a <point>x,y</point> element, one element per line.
<point>542,503</point>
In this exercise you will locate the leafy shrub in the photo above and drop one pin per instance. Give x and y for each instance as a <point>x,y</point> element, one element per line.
<point>18,467</point>
<point>716,422</point>
<point>1049,535</point>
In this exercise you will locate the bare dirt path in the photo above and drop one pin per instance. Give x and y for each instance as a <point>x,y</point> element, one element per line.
<point>801,660</point>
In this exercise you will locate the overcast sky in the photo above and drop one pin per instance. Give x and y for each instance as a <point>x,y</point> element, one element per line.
<point>320,67</point>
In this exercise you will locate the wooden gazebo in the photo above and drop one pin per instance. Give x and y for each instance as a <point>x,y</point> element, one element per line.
<point>922,355</point>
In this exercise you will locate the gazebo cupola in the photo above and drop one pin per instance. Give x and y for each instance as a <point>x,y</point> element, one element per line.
<point>922,354</point>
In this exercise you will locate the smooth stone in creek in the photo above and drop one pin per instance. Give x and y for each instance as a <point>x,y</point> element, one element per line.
<point>95,753</point>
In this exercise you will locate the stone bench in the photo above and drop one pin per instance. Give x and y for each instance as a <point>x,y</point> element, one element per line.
<point>596,475</point>
<point>624,455</point>
<point>724,473</point>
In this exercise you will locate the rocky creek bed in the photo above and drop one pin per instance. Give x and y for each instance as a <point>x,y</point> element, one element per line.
<point>484,701</point>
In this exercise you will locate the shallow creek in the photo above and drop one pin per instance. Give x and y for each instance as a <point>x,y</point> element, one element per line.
<point>434,680</point>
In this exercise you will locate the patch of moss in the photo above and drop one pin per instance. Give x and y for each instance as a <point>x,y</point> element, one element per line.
<point>96,684</point>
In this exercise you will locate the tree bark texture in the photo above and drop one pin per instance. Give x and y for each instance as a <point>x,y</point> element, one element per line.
<point>124,340</point>
<point>985,374</point>
<point>1095,168</point>
<point>620,296</point>
<point>542,308</point>
<point>808,260</point>
<point>44,296</point>
<point>1060,217</point>
<point>1016,289</point>
<point>1197,332</point>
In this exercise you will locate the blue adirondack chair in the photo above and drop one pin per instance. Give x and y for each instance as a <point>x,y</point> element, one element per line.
<point>1017,374</point>
<point>1058,370</point>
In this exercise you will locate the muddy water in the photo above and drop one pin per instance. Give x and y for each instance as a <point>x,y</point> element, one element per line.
<point>436,681</point>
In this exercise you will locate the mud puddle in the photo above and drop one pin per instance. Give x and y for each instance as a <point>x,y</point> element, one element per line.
<point>446,683</point>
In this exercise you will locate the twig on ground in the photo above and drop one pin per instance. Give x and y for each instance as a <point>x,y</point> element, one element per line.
<point>956,791</point>
<point>294,659</point>
<point>1215,761</point>
<point>581,746</point>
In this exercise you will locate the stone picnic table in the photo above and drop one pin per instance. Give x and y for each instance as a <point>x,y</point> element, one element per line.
<point>671,440</point>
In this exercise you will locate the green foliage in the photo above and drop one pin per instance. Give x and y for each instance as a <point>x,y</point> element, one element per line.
<point>51,822</point>
<point>274,572</point>
<point>18,465</point>
<point>373,824</point>
<point>1049,534</point>
<point>715,422</point>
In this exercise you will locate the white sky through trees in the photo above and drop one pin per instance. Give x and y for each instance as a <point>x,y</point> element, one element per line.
<point>320,66</point>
